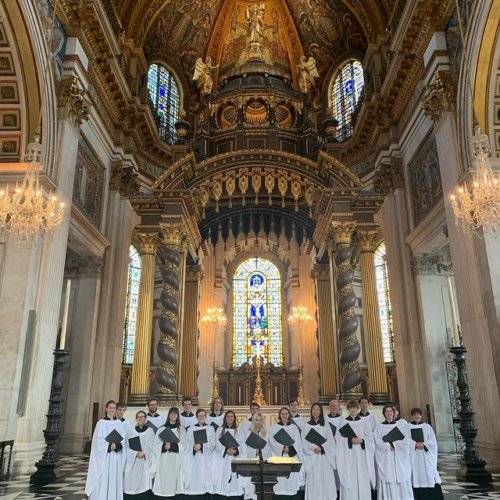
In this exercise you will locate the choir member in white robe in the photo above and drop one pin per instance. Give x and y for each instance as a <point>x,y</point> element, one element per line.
<point>169,459</point>
<point>216,415</point>
<point>356,457</point>
<point>424,454</point>
<point>296,418</point>
<point>139,467</point>
<point>198,474</point>
<point>152,415</point>
<point>319,458</point>
<point>334,417</point>
<point>188,418</point>
<point>121,408</point>
<point>287,488</point>
<point>227,484</point>
<point>369,418</point>
<point>393,460</point>
<point>247,423</point>
<point>107,460</point>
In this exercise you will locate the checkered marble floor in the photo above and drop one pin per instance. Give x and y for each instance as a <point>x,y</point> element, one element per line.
<point>74,473</point>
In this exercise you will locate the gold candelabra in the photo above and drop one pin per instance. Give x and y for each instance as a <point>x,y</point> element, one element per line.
<point>258,397</point>
<point>298,316</point>
<point>215,381</point>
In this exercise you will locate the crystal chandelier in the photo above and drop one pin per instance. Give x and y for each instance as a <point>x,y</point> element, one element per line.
<point>215,315</point>
<point>25,212</point>
<point>478,207</point>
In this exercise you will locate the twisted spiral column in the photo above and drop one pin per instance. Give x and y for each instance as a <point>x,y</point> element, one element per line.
<point>349,345</point>
<point>172,236</point>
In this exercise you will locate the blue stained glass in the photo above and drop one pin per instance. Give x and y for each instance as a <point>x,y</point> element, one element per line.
<point>349,86</point>
<point>133,284</point>
<point>162,92</point>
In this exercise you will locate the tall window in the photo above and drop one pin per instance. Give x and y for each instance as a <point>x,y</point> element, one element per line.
<point>165,100</point>
<point>384,303</point>
<point>133,282</point>
<point>257,328</point>
<point>347,93</point>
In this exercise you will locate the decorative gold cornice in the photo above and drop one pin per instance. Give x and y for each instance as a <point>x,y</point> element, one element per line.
<point>172,233</point>
<point>145,242</point>
<point>343,231</point>
<point>440,96</point>
<point>74,103</point>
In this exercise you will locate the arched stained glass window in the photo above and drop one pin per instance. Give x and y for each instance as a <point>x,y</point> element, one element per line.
<point>165,100</point>
<point>257,326</point>
<point>133,282</point>
<point>384,303</point>
<point>347,92</point>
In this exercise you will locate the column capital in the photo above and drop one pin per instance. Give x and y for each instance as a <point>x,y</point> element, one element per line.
<point>320,272</point>
<point>439,97</point>
<point>145,242</point>
<point>124,179</point>
<point>343,231</point>
<point>368,240</point>
<point>389,176</point>
<point>74,104</point>
<point>172,233</point>
<point>194,273</point>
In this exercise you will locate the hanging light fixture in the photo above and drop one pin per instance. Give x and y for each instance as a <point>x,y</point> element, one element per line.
<point>477,207</point>
<point>25,211</point>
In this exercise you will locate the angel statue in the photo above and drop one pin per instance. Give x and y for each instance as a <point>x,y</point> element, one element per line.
<point>307,73</point>
<point>203,75</point>
<point>255,21</point>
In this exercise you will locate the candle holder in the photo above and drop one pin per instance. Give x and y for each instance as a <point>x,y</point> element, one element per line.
<point>46,467</point>
<point>471,465</point>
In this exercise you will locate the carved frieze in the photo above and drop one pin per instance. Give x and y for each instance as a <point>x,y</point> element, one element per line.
<point>84,267</point>
<point>432,264</point>
<point>440,96</point>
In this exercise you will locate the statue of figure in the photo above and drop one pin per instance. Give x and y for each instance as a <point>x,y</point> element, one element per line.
<point>307,73</point>
<point>203,75</point>
<point>255,21</point>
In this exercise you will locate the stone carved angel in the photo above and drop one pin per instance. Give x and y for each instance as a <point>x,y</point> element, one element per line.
<point>255,21</point>
<point>203,75</point>
<point>308,73</point>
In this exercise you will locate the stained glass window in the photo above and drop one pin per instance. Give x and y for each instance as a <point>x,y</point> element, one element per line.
<point>347,91</point>
<point>165,100</point>
<point>133,282</point>
<point>257,326</point>
<point>384,303</point>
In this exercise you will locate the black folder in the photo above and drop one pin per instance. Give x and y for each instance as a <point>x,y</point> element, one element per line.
<point>215,426</point>
<point>315,437</point>
<point>394,435</point>
<point>151,426</point>
<point>168,436</point>
<point>255,442</point>
<point>284,438</point>
<point>135,444</point>
<point>200,436</point>
<point>227,440</point>
<point>114,437</point>
<point>347,431</point>
<point>333,428</point>
<point>417,435</point>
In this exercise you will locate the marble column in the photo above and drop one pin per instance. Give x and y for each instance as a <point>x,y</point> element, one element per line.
<point>326,333</point>
<point>189,354</point>
<point>349,345</point>
<point>171,255</point>
<point>377,378</point>
<point>73,108</point>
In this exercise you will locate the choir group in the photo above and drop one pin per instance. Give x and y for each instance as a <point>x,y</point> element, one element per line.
<point>351,457</point>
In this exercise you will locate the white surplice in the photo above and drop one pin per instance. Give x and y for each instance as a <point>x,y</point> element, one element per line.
<point>187,420</point>
<point>157,420</point>
<point>169,465</point>
<point>370,419</point>
<point>249,487</point>
<point>218,420</point>
<point>393,465</point>
<point>424,462</point>
<point>320,480</point>
<point>355,465</point>
<point>336,422</point>
<point>105,476</point>
<point>139,471</point>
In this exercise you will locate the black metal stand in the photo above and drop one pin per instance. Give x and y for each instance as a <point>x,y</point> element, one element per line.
<point>471,465</point>
<point>46,467</point>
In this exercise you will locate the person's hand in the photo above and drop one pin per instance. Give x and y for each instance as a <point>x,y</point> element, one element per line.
<point>167,446</point>
<point>140,454</point>
<point>285,449</point>
<point>317,449</point>
<point>231,451</point>
<point>357,440</point>
<point>197,447</point>
<point>419,446</point>
<point>112,447</point>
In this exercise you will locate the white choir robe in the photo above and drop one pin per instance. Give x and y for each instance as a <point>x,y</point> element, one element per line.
<point>299,421</point>
<point>291,485</point>
<point>139,471</point>
<point>157,420</point>
<point>320,480</point>
<point>356,466</point>
<point>198,477</point>
<point>337,422</point>
<point>218,420</point>
<point>393,466</point>
<point>227,483</point>
<point>424,463</point>
<point>188,420</point>
<point>249,487</point>
<point>370,419</point>
<point>245,424</point>
<point>169,466</point>
<point>105,476</point>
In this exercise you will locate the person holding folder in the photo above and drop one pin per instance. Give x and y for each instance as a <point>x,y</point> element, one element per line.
<point>139,471</point>
<point>392,455</point>
<point>284,441</point>
<point>319,456</point>
<point>200,445</point>
<point>229,444</point>
<point>355,456</point>
<point>424,454</point>
<point>216,415</point>
<point>169,449</point>
<point>107,458</point>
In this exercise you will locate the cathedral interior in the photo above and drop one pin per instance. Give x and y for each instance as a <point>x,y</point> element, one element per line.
<point>256,205</point>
